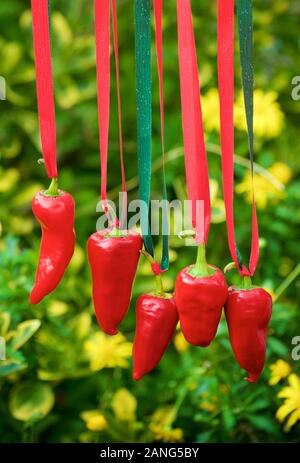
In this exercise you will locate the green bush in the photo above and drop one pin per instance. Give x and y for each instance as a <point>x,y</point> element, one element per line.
<point>63,380</point>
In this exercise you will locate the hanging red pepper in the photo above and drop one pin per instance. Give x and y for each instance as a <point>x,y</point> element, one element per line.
<point>156,320</point>
<point>113,253</point>
<point>248,309</point>
<point>200,293</point>
<point>200,290</point>
<point>113,262</point>
<point>56,217</point>
<point>156,313</point>
<point>54,208</point>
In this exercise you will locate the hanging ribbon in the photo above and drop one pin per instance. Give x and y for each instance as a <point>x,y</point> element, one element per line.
<point>143,104</point>
<point>44,84</point>
<point>226,93</point>
<point>116,50</point>
<point>193,133</point>
<point>144,122</point>
<point>158,6</point>
<point>102,36</point>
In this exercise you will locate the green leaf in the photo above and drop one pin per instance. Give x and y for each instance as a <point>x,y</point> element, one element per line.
<point>31,401</point>
<point>9,368</point>
<point>277,347</point>
<point>4,323</point>
<point>262,422</point>
<point>24,332</point>
<point>259,405</point>
<point>228,418</point>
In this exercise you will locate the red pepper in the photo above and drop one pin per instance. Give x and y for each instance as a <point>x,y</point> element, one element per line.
<point>156,320</point>
<point>54,209</point>
<point>248,311</point>
<point>113,258</point>
<point>200,293</point>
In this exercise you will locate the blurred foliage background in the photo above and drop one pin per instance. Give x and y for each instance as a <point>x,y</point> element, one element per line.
<point>63,380</point>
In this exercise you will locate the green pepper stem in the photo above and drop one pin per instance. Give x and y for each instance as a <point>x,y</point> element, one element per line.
<point>201,268</point>
<point>247,283</point>
<point>159,289</point>
<point>115,232</point>
<point>201,263</point>
<point>246,280</point>
<point>159,286</point>
<point>53,188</point>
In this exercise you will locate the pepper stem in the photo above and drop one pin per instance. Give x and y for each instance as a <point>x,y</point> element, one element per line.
<point>246,279</point>
<point>247,283</point>
<point>159,289</point>
<point>53,188</point>
<point>201,268</point>
<point>115,232</point>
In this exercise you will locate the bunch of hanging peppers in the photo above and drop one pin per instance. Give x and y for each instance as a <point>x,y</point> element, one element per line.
<point>201,290</point>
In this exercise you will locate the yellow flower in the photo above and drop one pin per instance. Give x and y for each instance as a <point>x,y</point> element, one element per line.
<point>211,110</point>
<point>280,370</point>
<point>265,190</point>
<point>124,405</point>
<point>161,425</point>
<point>166,434</point>
<point>291,405</point>
<point>181,345</point>
<point>57,308</point>
<point>107,352</point>
<point>268,117</point>
<point>281,171</point>
<point>21,226</point>
<point>163,416</point>
<point>8,179</point>
<point>94,420</point>
<point>208,406</point>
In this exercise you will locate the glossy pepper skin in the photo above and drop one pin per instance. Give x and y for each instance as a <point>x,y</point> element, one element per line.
<point>113,261</point>
<point>199,301</point>
<point>248,312</point>
<point>156,320</point>
<point>56,217</point>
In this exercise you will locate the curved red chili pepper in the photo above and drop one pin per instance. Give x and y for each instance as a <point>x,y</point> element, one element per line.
<point>248,312</point>
<point>56,217</point>
<point>156,320</point>
<point>199,301</point>
<point>113,261</point>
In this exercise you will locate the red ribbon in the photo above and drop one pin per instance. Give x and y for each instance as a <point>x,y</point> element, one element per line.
<point>193,132</point>
<point>44,84</point>
<point>116,50</point>
<point>102,36</point>
<point>226,93</point>
<point>158,44</point>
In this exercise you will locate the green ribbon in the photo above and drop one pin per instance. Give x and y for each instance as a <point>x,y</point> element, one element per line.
<point>245,26</point>
<point>245,29</point>
<point>144,124</point>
